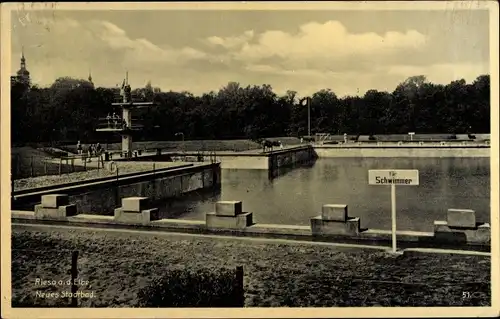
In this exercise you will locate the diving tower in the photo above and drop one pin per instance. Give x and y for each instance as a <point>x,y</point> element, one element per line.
<point>123,125</point>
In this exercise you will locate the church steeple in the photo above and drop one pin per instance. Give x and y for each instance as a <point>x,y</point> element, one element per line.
<point>23,75</point>
<point>23,59</point>
<point>90,79</point>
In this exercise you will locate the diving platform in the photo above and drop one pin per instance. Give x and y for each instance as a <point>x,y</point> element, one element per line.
<point>135,105</point>
<point>123,124</point>
<point>121,130</point>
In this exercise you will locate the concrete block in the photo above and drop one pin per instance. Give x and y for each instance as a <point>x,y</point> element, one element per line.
<point>144,217</point>
<point>42,212</point>
<point>60,212</point>
<point>483,234</point>
<point>327,227</point>
<point>67,210</point>
<point>334,212</point>
<point>151,214</point>
<point>228,208</point>
<point>54,200</point>
<point>128,217</point>
<point>461,218</point>
<point>441,226</point>
<point>135,204</point>
<point>241,221</point>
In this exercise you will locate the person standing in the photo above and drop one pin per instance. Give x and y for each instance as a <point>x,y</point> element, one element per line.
<point>108,118</point>
<point>79,148</point>
<point>89,152</point>
<point>115,119</point>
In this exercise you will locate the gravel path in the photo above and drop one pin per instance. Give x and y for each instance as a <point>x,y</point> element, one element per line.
<point>123,168</point>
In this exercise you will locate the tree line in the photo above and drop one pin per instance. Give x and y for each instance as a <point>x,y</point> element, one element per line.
<point>70,109</point>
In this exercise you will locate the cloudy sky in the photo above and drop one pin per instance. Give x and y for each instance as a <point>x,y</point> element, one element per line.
<point>198,51</point>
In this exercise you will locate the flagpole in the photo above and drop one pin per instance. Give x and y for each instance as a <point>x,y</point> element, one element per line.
<point>308,100</point>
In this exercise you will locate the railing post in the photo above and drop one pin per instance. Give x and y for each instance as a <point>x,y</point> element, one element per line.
<point>74,275</point>
<point>240,293</point>
<point>32,169</point>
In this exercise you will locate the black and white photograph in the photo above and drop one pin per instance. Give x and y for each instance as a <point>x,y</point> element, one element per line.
<point>340,158</point>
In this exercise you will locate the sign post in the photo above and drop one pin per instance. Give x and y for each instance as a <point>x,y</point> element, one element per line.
<point>393,177</point>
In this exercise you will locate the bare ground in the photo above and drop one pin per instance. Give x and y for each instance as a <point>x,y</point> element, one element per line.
<point>117,265</point>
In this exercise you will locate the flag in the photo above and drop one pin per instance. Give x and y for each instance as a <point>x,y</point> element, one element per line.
<point>304,101</point>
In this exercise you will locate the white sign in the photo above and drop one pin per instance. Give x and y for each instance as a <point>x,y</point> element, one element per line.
<point>393,176</point>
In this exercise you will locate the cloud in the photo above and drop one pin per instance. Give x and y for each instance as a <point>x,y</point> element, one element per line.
<point>70,39</point>
<point>141,50</point>
<point>231,42</point>
<point>317,56</point>
<point>317,45</point>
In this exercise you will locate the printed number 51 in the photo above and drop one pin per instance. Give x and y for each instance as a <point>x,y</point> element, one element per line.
<point>468,294</point>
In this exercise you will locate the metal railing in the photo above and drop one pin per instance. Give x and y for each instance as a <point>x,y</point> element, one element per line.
<point>118,124</point>
<point>35,166</point>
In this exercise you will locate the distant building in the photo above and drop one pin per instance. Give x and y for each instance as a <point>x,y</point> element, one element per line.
<point>90,79</point>
<point>22,75</point>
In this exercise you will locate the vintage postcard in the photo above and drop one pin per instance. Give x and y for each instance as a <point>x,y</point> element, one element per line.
<point>249,159</point>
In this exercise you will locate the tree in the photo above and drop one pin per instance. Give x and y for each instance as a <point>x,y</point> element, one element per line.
<point>68,110</point>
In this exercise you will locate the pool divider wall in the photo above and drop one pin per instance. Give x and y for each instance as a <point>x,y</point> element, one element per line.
<point>230,218</point>
<point>105,196</point>
<point>418,149</point>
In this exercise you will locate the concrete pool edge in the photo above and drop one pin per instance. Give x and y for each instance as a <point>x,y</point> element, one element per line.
<point>406,239</point>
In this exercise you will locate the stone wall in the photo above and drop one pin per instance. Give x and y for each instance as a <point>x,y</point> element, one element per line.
<point>380,151</point>
<point>291,157</point>
<point>333,224</point>
<point>105,197</point>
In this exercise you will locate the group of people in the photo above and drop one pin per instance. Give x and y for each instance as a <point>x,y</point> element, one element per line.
<point>90,150</point>
<point>115,120</point>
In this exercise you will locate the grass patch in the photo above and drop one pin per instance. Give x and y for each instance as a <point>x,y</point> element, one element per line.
<point>198,145</point>
<point>193,288</point>
<point>120,265</point>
